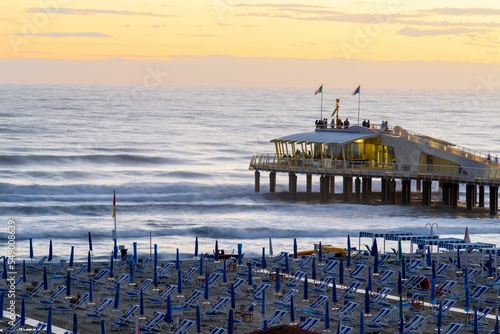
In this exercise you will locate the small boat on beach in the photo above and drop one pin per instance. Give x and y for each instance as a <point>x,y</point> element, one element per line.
<point>224,256</point>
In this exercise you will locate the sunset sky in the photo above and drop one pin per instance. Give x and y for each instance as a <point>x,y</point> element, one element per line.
<point>383,44</point>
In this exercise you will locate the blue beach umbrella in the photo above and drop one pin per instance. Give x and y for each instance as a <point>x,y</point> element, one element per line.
<point>306,288</point>
<point>375,261</point>
<point>115,249</point>
<point>224,272</point>
<point>403,268</point>
<point>4,272</point>
<point>459,263</point>
<point>263,262</point>
<point>292,310</point>
<point>230,322</point>
<point>201,265</point>
<point>433,291</point>
<point>179,282</point>
<point>196,247</point>
<point>361,322</point>
<point>374,251</point>
<point>45,280</point>
<point>48,329</point>
<point>134,245</point>
<point>277,280</point>
<point>240,254</point>
<point>341,273</point>
<point>131,272</point>
<point>263,306</point>
<point>23,312</point>
<point>111,267</point>
<point>367,301</point>
<point>467,298</point>
<point>320,253</point>
<point>475,321</point>
<point>205,291</point>
<point>400,250</point>
<point>497,325</point>
<point>287,265</point>
<point>168,315</point>
<point>24,271</point>
<point>250,282</point>
<point>198,319</point>
<point>75,323</point>
<point>295,255</point>
<point>71,256</point>
<point>313,269</point>
<point>49,258</point>
<point>400,293</point>
<point>103,326</point>
<point>348,260</point>
<point>439,321</point>
<point>334,292</point>
<point>141,303</point>
<point>270,247</point>
<point>89,262</point>
<point>233,298</point>
<point>68,284</point>
<point>31,249</point>
<point>428,256</point>
<point>91,290</point>
<point>216,255</point>
<point>369,283</point>
<point>90,242</point>
<point>433,272</point>
<point>177,260</point>
<point>116,303</point>
<point>1,303</point>
<point>327,315</point>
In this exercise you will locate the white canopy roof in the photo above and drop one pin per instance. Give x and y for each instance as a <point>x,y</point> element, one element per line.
<point>326,136</point>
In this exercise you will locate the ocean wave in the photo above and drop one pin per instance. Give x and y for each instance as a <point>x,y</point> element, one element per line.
<point>99,159</point>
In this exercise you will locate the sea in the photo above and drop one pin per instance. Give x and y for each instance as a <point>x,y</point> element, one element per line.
<point>178,160</point>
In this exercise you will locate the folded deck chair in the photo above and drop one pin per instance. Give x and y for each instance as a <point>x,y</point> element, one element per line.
<point>121,321</point>
<point>192,300</point>
<point>57,295</point>
<point>238,282</point>
<point>413,326</point>
<point>317,306</point>
<point>309,323</point>
<point>137,291</point>
<point>380,299</point>
<point>330,268</point>
<point>296,279</point>
<point>346,312</point>
<point>37,265</point>
<point>261,289</point>
<point>452,328</point>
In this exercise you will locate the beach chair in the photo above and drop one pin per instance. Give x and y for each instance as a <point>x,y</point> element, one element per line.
<point>378,321</point>
<point>452,328</point>
<point>346,311</point>
<point>413,265</point>
<point>58,267</point>
<point>218,330</point>
<point>37,290</point>
<point>440,271</point>
<point>192,300</point>
<point>482,320</point>
<point>187,277</point>
<point>229,262</point>
<point>153,323</point>
<point>380,299</point>
<point>137,291</point>
<point>306,262</point>
<point>122,279</point>
<point>18,281</point>
<point>125,260</point>
<point>323,286</point>
<point>96,279</point>
<point>39,328</point>
<point>37,265</point>
<point>351,292</point>
<point>79,271</point>
<point>330,268</point>
<point>296,279</point>
<point>445,288</point>
<point>213,278</point>
<point>447,304</point>
<point>99,310</point>
<point>183,327</point>
<point>317,306</point>
<point>476,295</point>
<point>57,295</point>
<point>385,278</point>
<point>285,300</point>
<point>413,326</point>
<point>218,308</point>
<point>80,303</point>
<point>413,282</point>
<point>269,274</point>
<point>163,272</point>
<point>357,273</point>
<point>471,275</point>
<point>161,298</point>
<point>142,270</point>
<point>275,318</point>
<point>261,289</point>
<point>238,282</point>
<point>383,261</point>
<point>280,258</point>
<point>121,321</point>
<point>344,330</point>
<point>309,324</point>
<point>13,328</point>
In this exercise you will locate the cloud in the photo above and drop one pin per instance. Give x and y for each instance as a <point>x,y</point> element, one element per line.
<point>62,34</point>
<point>71,11</point>
<point>464,11</point>
<point>412,32</point>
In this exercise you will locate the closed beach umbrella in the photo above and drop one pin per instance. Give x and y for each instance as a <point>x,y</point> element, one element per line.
<point>497,325</point>
<point>327,315</point>
<point>292,310</point>
<point>320,253</point>
<point>263,262</point>
<point>277,280</point>
<point>141,303</point>
<point>89,262</point>
<point>71,256</point>
<point>131,265</point>
<point>240,254</point>
<point>433,270</point>
<point>23,312</point>
<point>201,266</point>
<point>306,288</point>
<point>361,322</point>
<point>270,247</point>
<point>45,280</point>
<point>205,292</point>
<point>179,282</point>
<point>198,319</point>
<point>196,247</point>
<point>116,303</point>
<point>134,245</point>
<point>433,291</point>
<point>375,260</point>
<point>367,301</point>
<point>287,264</point>
<point>48,329</point>
<point>263,306</point>
<point>400,250</point>
<point>103,326</point>
<point>177,260</point>
<point>295,255</point>
<point>155,266</point>
<point>400,293</point>
<point>1,304</point>
<point>115,249</point>
<point>31,249</point>
<point>459,263</point>
<point>439,321</point>
<point>68,284</point>
<point>313,269</point>
<point>467,298</point>
<point>24,271</point>
<point>49,258</point>
<point>91,290</point>
<point>374,251</point>
<point>168,315</point>
<point>230,322</point>
<point>75,323</point>
<point>90,242</point>
<point>224,272</point>
<point>428,256</point>
<point>348,260</point>
<point>369,283</point>
<point>334,292</point>
<point>475,321</point>
<point>341,273</point>
<point>233,298</point>
<point>250,282</point>
<point>403,268</point>
<point>216,251</point>
<point>4,272</point>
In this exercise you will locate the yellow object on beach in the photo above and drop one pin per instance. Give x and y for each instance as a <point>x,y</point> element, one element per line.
<point>326,249</point>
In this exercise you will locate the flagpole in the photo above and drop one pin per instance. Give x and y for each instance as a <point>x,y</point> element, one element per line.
<point>322,103</point>
<point>359,103</point>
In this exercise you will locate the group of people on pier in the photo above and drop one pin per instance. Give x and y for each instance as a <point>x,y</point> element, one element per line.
<point>323,124</point>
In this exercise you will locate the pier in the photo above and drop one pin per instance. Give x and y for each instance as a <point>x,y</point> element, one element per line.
<point>397,157</point>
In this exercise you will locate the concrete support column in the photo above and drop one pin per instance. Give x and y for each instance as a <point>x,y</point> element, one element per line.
<point>406,191</point>
<point>257,181</point>
<point>383,190</point>
<point>454,195</point>
<point>309,183</point>
<point>481,197</point>
<point>469,195</point>
<point>332,185</point>
<point>347,184</point>
<point>418,185</point>
<point>292,184</point>
<point>327,188</point>
<point>357,187</point>
<point>322,189</point>
<point>272,182</point>
<point>364,188</point>
<point>426,193</point>
<point>392,191</point>
<point>446,191</point>
<point>493,200</point>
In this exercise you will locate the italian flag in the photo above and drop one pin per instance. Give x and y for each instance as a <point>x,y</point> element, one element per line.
<point>319,90</point>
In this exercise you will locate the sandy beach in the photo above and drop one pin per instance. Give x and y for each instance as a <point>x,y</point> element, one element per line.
<point>416,299</point>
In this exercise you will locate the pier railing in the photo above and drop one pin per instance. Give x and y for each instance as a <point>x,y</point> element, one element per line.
<point>363,168</point>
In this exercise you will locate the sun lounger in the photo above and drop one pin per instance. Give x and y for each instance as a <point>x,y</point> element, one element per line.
<point>296,279</point>
<point>447,304</point>
<point>285,300</point>
<point>218,330</point>
<point>385,278</point>
<point>445,288</point>
<point>306,262</point>
<point>344,330</point>
<point>413,326</point>
<point>162,272</point>
<point>380,299</point>
<point>357,273</point>
<point>317,306</point>
<point>346,312</point>
<point>122,279</point>
<point>154,323</point>
<point>187,277</point>
<point>183,327</point>
<point>218,308</point>
<point>323,286</point>
<point>76,273</point>
<point>192,300</point>
<point>413,282</point>
<point>452,328</point>
<point>53,297</point>
<point>482,320</point>
<point>477,293</point>
<point>275,318</point>
<point>261,289</point>
<point>309,323</point>
<point>37,265</point>
<point>39,328</point>
<point>121,321</point>
<point>137,291</point>
<point>12,328</point>
<point>58,267</point>
<point>99,310</point>
<point>161,298</point>
<point>351,292</point>
<point>238,282</point>
<point>378,321</point>
<point>213,278</point>
<point>330,268</point>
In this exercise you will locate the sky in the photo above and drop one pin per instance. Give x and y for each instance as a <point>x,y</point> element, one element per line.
<point>380,44</point>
